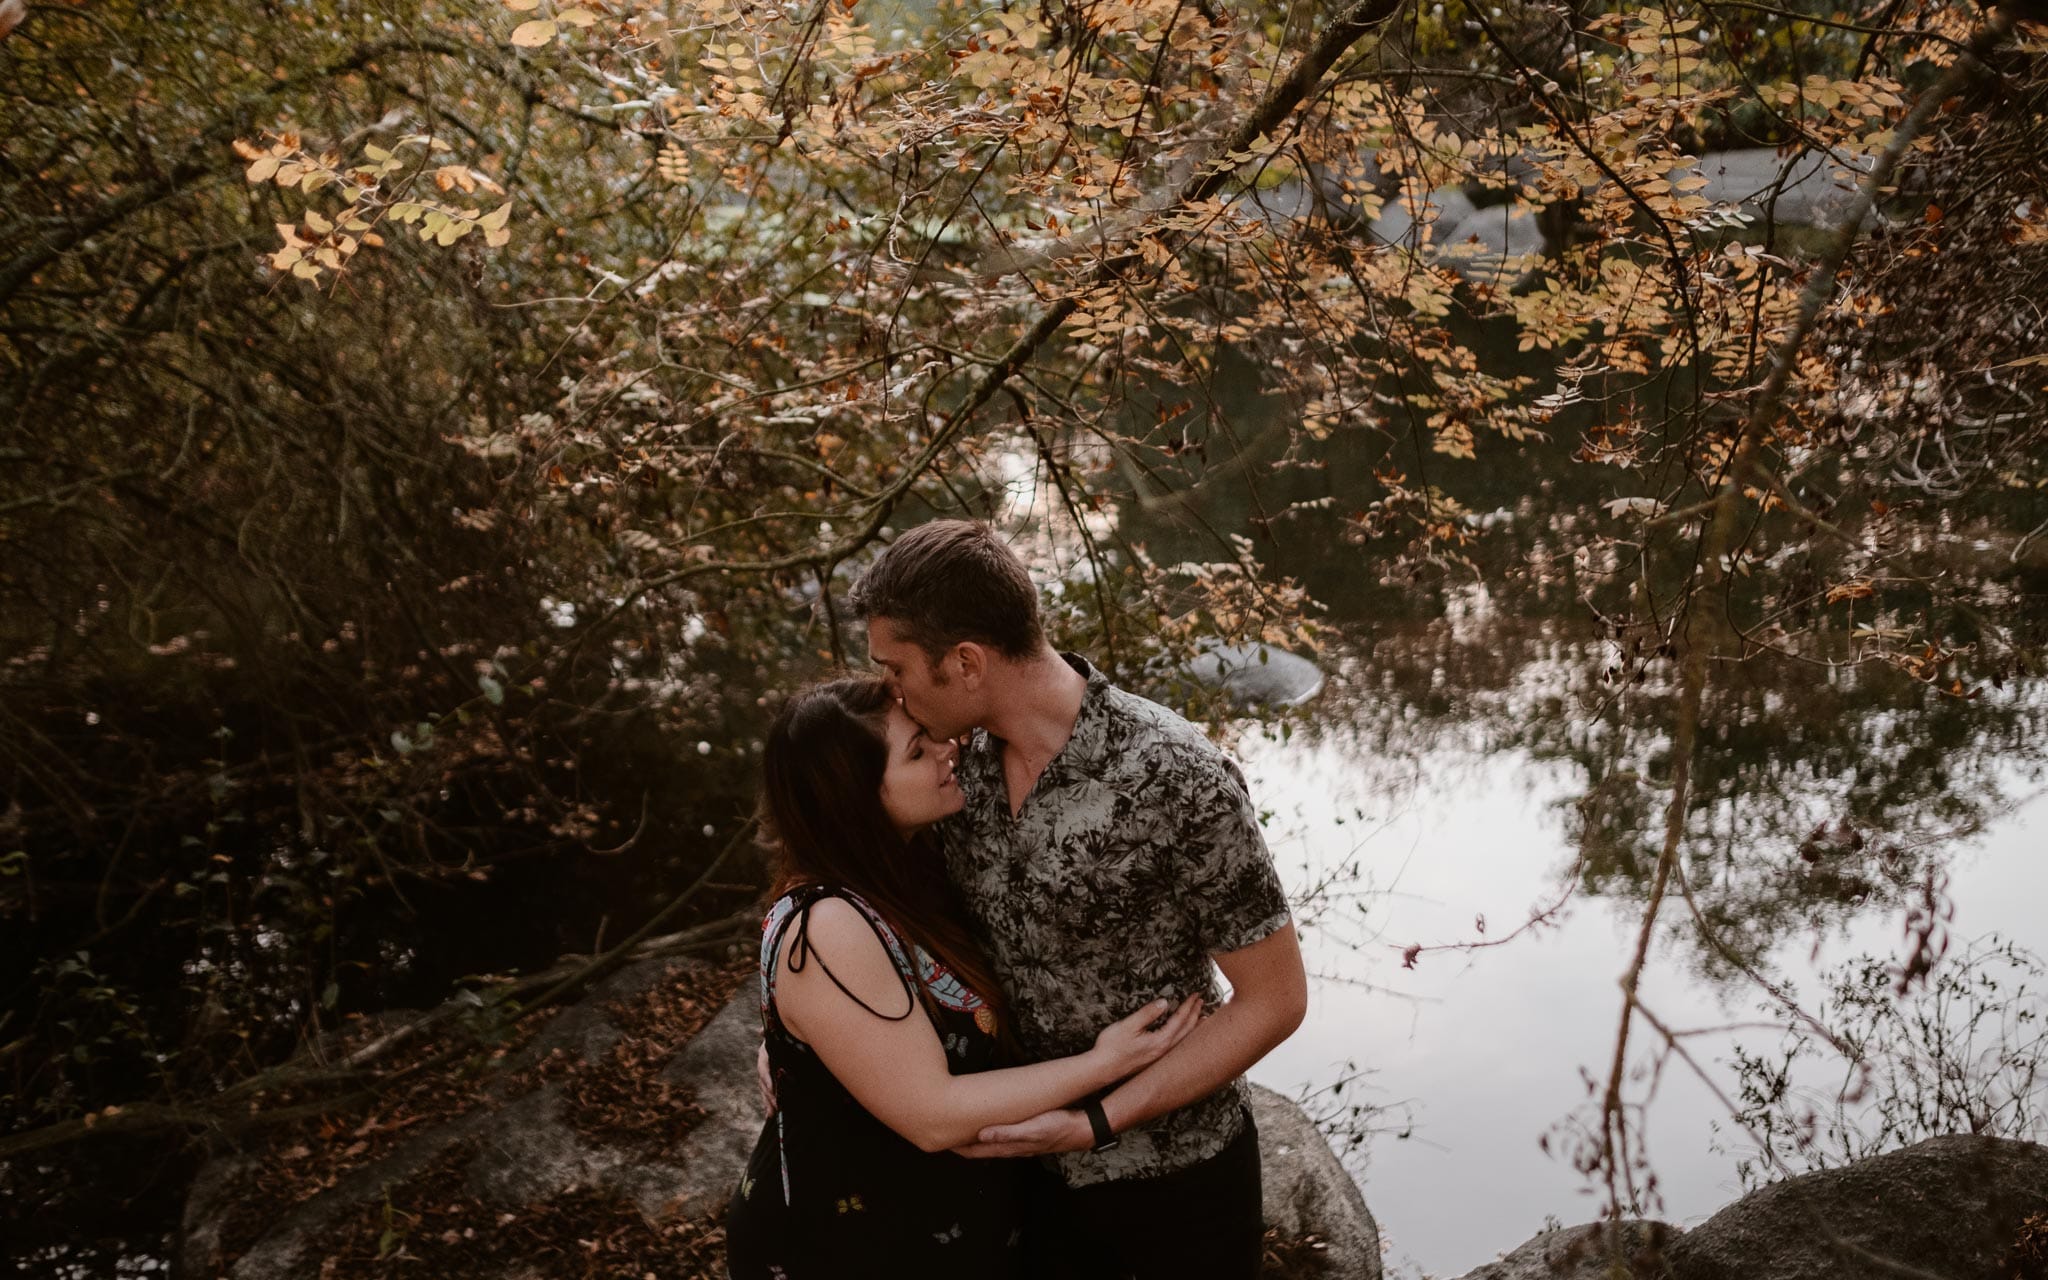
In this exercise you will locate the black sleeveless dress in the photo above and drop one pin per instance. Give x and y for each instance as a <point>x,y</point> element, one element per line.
<point>832,1193</point>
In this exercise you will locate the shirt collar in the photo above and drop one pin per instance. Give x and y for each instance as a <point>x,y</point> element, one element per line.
<point>1091,727</point>
<point>1085,745</point>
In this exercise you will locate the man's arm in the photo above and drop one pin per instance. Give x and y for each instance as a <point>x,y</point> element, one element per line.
<point>1269,997</point>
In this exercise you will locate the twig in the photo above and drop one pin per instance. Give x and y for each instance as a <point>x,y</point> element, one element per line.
<point>1279,102</point>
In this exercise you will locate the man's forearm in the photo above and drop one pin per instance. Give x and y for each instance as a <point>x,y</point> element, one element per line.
<point>1220,1050</point>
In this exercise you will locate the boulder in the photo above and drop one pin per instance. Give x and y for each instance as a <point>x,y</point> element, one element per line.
<point>1291,202</point>
<point>1952,1208</point>
<point>524,1145</point>
<point>717,1067</point>
<point>1813,191</point>
<point>1957,1207</point>
<point>1584,1253</point>
<point>529,1137</point>
<point>1257,673</point>
<point>1308,1192</point>
<point>1396,225</point>
<point>1496,245</point>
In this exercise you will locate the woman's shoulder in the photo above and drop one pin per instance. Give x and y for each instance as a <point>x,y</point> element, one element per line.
<point>834,916</point>
<point>837,948</point>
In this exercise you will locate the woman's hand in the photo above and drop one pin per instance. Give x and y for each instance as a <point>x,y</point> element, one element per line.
<point>1126,1048</point>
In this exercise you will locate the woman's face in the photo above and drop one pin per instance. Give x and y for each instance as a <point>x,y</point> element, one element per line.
<point>917,787</point>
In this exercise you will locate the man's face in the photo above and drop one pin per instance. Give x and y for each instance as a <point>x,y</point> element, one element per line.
<point>929,694</point>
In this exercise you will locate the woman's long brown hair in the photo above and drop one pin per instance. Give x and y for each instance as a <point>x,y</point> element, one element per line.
<point>822,812</point>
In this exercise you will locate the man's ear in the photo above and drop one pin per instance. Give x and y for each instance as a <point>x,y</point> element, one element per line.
<point>974,663</point>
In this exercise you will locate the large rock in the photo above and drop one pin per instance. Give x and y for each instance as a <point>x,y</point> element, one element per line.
<point>1585,1253</point>
<point>525,1145</point>
<point>1498,245</point>
<point>1396,225</point>
<point>1309,1192</point>
<point>718,1069</point>
<point>1954,1207</point>
<point>522,1143</point>
<point>1814,191</point>
<point>1257,673</point>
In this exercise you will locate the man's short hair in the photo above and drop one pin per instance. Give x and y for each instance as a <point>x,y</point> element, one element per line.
<point>952,580</point>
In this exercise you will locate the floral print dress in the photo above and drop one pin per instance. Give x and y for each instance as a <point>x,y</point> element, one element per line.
<point>832,1193</point>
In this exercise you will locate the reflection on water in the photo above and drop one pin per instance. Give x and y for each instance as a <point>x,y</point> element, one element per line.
<point>1465,773</point>
<point>1493,744</point>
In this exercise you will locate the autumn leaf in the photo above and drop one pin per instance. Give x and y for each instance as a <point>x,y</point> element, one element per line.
<point>496,233</point>
<point>529,35</point>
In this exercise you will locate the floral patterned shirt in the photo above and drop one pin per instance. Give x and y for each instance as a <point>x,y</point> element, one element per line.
<point>1135,858</point>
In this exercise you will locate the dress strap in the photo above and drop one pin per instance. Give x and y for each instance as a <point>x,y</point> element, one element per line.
<point>796,914</point>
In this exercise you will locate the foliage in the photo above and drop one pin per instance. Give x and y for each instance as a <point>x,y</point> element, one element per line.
<point>1964,1054</point>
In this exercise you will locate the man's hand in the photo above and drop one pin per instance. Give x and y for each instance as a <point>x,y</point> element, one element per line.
<point>1047,1133</point>
<point>766,1079</point>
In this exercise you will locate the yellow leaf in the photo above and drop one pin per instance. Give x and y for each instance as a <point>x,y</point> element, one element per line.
<point>262,169</point>
<point>318,223</point>
<point>522,6</point>
<point>498,238</point>
<point>529,35</point>
<point>496,219</point>
<point>305,270</point>
<point>377,153</point>
<point>576,17</point>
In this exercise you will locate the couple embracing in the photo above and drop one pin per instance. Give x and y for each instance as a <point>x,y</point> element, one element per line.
<point>991,1022</point>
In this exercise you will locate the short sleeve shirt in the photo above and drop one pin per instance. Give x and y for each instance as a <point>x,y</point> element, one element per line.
<point>1136,856</point>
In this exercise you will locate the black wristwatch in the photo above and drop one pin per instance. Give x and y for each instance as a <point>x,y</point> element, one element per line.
<point>1105,1137</point>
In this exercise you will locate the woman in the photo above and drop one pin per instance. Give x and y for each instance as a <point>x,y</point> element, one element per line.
<point>883,1028</point>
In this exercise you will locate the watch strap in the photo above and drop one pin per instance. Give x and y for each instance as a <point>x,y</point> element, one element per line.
<point>1105,1137</point>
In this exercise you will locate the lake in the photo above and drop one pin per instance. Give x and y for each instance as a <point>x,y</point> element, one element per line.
<point>1476,1056</point>
<point>1490,746</point>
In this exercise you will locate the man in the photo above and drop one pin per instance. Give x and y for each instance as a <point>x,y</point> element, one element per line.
<point>1108,852</point>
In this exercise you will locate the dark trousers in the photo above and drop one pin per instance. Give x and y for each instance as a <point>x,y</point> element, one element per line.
<point>1204,1221</point>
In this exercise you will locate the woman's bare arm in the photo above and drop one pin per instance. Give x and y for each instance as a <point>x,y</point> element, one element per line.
<point>898,1069</point>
